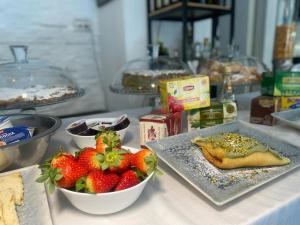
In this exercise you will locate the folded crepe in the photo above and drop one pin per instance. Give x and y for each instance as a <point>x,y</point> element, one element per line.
<point>233,150</point>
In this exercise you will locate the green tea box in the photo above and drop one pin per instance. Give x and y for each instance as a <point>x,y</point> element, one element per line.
<point>285,83</point>
<point>217,113</point>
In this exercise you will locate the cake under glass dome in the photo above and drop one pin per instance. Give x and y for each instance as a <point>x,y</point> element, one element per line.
<point>31,83</point>
<point>141,76</point>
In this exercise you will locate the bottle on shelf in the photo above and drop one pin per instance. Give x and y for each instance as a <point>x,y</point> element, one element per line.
<point>151,5</point>
<point>206,48</point>
<point>215,52</point>
<point>165,3</point>
<point>233,51</point>
<point>227,97</point>
<point>284,35</point>
<point>196,61</point>
<point>158,4</point>
<point>189,42</point>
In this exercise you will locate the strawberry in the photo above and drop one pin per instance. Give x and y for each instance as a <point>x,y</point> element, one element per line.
<point>117,161</point>
<point>106,140</point>
<point>98,181</point>
<point>128,179</point>
<point>145,161</point>
<point>62,170</point>
<point>90,158</point>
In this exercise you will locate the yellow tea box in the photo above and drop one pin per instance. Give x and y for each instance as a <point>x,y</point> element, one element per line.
<point>292,102</point>
<point>185,93</point>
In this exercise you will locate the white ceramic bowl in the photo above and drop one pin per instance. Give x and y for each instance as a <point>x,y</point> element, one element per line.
<point>89,141</point>
<point>106,203</point>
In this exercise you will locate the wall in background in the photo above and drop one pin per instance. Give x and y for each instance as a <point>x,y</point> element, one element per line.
<point>123,28</point>
<point>63,33</point>
<point>265,30</point>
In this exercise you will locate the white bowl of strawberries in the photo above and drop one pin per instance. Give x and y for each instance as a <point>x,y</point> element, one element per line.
<point>100,180</point>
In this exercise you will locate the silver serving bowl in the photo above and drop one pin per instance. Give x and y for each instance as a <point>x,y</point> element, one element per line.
<point>30,151</point>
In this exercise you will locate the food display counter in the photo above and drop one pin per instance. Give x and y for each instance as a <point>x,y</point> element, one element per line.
<point>169,199</point>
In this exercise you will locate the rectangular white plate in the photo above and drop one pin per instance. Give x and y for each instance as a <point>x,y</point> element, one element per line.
<point>221,186</point>
<point>35,210</point>
<point>290,117</point>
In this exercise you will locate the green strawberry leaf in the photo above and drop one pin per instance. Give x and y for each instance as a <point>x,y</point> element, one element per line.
<point>42,178</point>
<point>77,154</point>
<point>80,184</point>
<point>158,172</point>
<point>101,130</point>
<point>151,162</point>
<point>104,166</point>
<point>139,173</point>
<point>51,187</point>
<point>121,152</point>
<point>115,163</point>
<point>100,158</point>
<point>58,176</point>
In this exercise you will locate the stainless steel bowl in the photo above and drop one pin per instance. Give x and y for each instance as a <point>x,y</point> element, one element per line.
<point>30,151</point>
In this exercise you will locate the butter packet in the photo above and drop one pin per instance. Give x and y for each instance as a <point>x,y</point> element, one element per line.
<point>15,134</point>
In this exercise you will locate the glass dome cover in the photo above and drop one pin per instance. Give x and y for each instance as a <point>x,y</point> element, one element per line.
<point>33,83</point>
<point>141,76</point>
<point>245,70</point>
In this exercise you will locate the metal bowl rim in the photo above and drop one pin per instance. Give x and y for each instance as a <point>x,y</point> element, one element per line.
<point>49,131</point>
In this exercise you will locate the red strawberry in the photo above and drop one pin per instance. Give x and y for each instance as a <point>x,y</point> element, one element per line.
<point>98,181</point>
<point>128,179</point>
<point>117,161</point>
<point>144,160</point>
<point>107,140</point>
<point>90,159</point>
<point>62,170</point>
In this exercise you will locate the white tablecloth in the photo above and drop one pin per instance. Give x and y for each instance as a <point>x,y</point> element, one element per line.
<point>171,200</point>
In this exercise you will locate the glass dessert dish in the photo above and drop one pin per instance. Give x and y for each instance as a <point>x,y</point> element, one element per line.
<point>141,76</point>
<point>31,83</point>
<point>246,72</point>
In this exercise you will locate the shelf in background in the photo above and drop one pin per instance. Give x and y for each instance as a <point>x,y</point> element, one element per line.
<point>196,11</point>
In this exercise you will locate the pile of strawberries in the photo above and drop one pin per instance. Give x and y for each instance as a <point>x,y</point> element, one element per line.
<point>105,168</point>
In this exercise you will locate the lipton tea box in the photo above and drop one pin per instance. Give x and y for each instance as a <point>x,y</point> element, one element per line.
<point>185,93</point>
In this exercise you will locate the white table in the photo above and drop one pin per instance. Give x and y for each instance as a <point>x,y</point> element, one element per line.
<point>171,200</point>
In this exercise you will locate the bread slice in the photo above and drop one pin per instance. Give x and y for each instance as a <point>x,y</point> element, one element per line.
<point>9,212</point>
<point>1,215</point>
<point>15,183</point>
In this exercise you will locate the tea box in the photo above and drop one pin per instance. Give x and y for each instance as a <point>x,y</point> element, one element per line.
<point>217,113</point>
<point>185,94</point>
<point>159,124</point>
<point>281,83</point>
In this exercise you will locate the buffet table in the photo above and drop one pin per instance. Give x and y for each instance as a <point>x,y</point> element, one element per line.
<point>169,199</point>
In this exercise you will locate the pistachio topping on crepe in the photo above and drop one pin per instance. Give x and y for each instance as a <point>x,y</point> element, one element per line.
<point>232,150</point>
